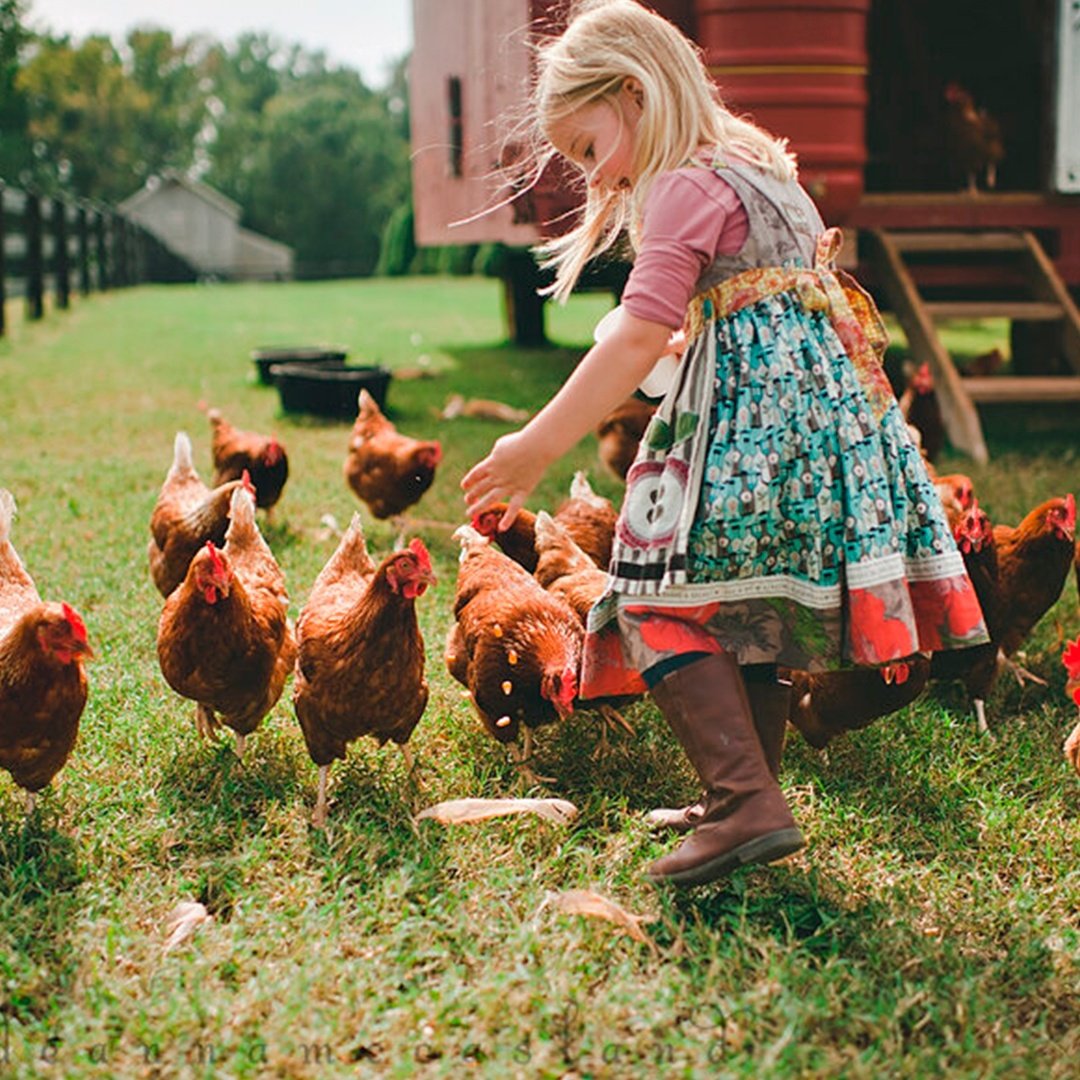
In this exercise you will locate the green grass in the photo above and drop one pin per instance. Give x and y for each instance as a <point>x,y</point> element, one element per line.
<point>929,928</point>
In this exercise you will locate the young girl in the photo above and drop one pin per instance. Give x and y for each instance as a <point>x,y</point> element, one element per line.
<point>777,512</point>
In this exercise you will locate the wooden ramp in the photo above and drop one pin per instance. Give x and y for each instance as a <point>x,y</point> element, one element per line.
<point>1042,299</point>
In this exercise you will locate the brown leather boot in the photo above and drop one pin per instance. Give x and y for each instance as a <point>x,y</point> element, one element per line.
<point>745,818</point>
<point>770,702</point>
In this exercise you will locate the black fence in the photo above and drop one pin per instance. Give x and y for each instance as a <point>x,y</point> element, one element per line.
<point>52,246</point>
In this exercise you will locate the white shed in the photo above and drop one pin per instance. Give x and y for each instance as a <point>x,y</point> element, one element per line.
<point>202,225</point>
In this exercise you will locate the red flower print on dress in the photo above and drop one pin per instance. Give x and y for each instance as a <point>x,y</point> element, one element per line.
<point>665,634</point>
<point>962,608</point>
<point>879,637</point>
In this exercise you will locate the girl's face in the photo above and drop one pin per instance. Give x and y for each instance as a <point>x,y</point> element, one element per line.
<point>600,138</point>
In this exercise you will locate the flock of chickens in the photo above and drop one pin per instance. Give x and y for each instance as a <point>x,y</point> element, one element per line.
<point>356,652</point>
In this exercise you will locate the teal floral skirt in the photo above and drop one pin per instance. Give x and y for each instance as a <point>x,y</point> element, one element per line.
<point>817,540</point>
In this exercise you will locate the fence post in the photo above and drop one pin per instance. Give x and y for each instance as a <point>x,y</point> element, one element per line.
<point>83,234</point>
<point>35,278</point>
<point>104,280</point>
<point>60,253</point>
<point>3,267</point>
<point>118,234</point>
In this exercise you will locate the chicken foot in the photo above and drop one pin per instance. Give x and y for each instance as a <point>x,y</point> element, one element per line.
<point>523,756</point>
<point>610,720</point>
<point>412,766</point>
<point>1021,674</point>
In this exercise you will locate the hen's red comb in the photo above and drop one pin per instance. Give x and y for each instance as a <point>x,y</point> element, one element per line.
<point>423,558</point>
<point>74,620</point>
<point>1071,658</point>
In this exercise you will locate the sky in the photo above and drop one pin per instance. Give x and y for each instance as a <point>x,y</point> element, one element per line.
<point>367,35</point>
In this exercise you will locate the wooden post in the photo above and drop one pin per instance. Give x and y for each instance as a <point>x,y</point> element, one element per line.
<point>104,279</point>
<point>524,307</point>
<point>35,277</point>
<point>61,263</point>
<point>119,250</point>
<point>83,233</point>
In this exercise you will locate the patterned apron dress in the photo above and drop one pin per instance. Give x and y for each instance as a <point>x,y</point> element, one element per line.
<point>778,508</point>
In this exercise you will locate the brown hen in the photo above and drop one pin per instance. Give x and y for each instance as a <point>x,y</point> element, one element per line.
<point>1034,559</point>
<point>261,456</point>
<point>829,703</point>
<point>976,667</point>
<point>43,685</point>
<point>515,648</point>
<point>387,471</point>
<point>186,516</point>
<point>588,518</point>
<point>567,572</point>
<point>619,435</point>
<point>224,639</point>
<point>974,145</point>
<point>360,656</point>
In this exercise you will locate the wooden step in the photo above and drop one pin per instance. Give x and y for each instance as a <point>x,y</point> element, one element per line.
<point>1023,310</point>
<point>943,241</point>
<point>1008,389</point>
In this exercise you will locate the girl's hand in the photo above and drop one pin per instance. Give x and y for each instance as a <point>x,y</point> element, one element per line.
<point>508,474</point>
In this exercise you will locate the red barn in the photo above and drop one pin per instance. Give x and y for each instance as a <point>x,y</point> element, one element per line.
<point>943,137</point>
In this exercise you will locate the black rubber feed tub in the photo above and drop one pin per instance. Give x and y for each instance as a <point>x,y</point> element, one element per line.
<point>265,359</point>
<point>328,391</point>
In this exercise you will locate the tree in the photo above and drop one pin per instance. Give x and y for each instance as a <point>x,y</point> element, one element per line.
<point>327,175</point>
<point>15,154</point>
<point>99,126</point>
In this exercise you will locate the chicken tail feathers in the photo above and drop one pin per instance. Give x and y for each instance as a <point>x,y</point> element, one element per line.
<point>354,544</point>
<point>580,488</point>
<point>182,461</point>
<point>7,513</point>
<point>469,538</point>
<point>241,512</point>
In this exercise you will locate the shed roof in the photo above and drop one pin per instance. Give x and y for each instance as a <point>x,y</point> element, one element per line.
<point>173,178</point>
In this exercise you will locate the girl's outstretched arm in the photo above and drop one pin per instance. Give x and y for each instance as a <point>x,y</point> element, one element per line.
<point>609,372</point>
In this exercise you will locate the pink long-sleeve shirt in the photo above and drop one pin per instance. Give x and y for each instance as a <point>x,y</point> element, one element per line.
<point>691,216</point>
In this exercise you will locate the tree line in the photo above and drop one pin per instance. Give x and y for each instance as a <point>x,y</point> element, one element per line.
<point>315,158</point>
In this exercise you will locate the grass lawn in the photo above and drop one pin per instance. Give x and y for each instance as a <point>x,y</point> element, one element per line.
<point>931,926</point>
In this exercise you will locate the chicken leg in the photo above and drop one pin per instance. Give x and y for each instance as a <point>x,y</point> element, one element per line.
<point>610,720</point>
<point>205,721</point>
<point>318,817</point>
<point>523,757</point>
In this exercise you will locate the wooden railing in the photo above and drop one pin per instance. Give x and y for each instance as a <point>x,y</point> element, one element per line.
<point>49,245</point>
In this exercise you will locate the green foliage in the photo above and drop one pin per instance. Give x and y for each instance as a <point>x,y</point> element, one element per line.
<point>426,260</point>
<point>85,97</point>
<point>398,247</point>
<point>456,259</point>
<point>313,157</point>
<point>928,930</point>
<point>15,147</point>
<point>492,260</point>
<point>335,171</point>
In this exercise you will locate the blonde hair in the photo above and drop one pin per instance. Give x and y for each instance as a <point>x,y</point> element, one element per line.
<point>606,42</point>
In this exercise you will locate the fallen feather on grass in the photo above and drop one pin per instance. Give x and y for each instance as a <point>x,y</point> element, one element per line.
<point>460,811</point>
<point>592,904</point>
<point>183,921</point>
<point>482,409</point>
